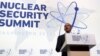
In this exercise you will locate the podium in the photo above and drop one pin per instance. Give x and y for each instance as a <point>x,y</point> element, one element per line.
<point>78,44</point>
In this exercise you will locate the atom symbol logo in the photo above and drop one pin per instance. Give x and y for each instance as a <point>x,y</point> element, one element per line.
<point>70,14</point>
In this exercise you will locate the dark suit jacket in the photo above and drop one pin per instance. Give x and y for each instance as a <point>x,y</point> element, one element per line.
<point>60,42</point>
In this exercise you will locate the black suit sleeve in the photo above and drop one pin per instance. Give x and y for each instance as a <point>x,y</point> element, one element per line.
<point>60,42</point>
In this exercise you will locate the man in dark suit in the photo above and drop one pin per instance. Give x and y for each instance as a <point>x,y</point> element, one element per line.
<point>61,39</point>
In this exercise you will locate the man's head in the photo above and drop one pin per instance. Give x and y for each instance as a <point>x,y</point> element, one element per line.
<point>67,28</point>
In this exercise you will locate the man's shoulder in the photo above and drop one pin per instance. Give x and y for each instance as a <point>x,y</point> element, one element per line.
<point>61,37</point>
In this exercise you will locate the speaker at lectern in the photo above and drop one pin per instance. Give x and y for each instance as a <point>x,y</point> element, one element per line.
<point>78,44</point>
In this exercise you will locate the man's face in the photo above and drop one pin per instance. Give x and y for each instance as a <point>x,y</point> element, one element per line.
<point>67,28</point>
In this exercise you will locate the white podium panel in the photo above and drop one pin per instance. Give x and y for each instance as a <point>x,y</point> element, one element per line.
<point>80,39</point>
